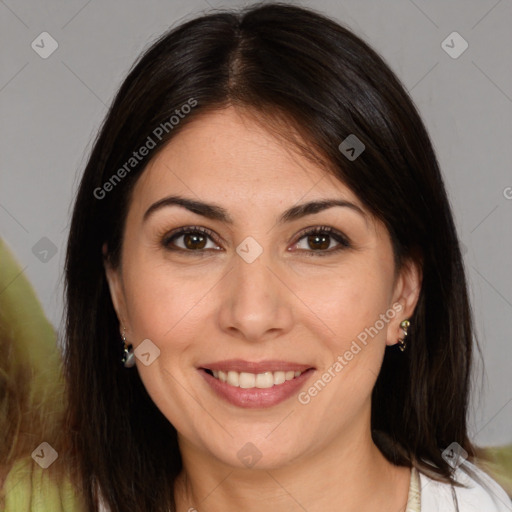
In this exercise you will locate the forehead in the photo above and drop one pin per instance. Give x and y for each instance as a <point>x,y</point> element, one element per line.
<point>226,155</point>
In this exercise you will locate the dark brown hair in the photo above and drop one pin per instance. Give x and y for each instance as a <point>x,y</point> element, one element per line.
<point>282,62</point>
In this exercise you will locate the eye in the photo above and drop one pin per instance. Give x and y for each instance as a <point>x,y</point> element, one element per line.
<point>194,239</point>
<point>318,241</point>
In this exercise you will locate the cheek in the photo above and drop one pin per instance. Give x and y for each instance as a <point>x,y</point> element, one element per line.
<point>348,300</point>
<point>160,300</point>
<point>164,308</point>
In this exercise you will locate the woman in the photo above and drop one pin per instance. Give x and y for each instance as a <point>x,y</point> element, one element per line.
<point>262,230</point>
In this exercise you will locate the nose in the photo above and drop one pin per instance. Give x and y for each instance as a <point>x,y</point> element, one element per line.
<point>256,303</point>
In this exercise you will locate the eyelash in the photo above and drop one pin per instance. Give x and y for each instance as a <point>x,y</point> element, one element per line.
<point>326,230</point>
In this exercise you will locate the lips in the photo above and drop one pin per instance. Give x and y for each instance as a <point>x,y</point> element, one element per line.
<point>251,384</point>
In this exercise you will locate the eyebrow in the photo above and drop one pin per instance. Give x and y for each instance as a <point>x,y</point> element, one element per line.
<point>216,212</point>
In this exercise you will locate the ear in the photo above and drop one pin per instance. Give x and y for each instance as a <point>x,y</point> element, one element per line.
<point>116,288</point>
<point>405,297</point>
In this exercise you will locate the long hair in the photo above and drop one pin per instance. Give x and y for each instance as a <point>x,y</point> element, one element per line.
<point>32,387</point>
<point>282,62</point>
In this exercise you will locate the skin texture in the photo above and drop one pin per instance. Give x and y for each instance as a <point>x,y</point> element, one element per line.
<point>289,304</point>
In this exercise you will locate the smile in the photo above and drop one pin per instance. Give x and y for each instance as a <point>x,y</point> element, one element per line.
<point>247,380</point>
<point>255,385</point>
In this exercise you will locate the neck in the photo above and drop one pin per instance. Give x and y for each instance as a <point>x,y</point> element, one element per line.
<point>334,479</point>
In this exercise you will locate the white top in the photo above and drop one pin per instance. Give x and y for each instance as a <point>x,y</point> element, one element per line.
<point>482,494</point>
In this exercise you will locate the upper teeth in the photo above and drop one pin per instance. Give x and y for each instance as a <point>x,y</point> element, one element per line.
<point>252,380</point>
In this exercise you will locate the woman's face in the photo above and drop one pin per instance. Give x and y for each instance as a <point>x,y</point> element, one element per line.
<point>256,299</point>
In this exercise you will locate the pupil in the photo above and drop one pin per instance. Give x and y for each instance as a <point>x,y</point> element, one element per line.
<point>314,239</point>
<point>192,239</point>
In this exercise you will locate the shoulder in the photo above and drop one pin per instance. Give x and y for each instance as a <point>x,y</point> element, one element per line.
<point>480,492</point>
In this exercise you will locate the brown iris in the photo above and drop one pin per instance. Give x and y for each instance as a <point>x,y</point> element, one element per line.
<point>194,240</point>
<point>318,241</point>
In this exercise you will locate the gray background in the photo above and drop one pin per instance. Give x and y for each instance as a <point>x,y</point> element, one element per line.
<point>51,109</point>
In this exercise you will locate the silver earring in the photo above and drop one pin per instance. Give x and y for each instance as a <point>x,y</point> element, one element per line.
<point>402,344</point>
<point>128,358</point>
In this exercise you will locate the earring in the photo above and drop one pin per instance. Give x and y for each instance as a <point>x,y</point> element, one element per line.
<point>128,358</point>
<point>402,344</point>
